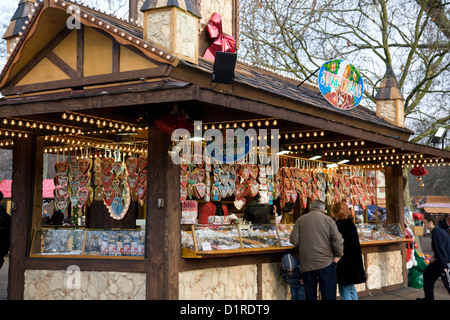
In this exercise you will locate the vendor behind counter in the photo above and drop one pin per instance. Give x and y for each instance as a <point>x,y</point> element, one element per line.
<point>259,213</point>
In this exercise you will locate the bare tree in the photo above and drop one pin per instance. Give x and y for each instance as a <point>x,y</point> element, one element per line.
<point>411,36</point>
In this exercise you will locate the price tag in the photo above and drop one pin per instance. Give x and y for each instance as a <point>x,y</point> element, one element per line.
<point>206,246</point>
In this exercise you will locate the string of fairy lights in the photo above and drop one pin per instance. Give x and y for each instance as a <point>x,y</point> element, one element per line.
<point>68,137</point>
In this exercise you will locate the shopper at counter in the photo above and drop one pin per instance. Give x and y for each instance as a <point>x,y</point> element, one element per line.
<point>258,213</point>
<point>350,270</point>
<point>320,247</point>
<point>212,208</point>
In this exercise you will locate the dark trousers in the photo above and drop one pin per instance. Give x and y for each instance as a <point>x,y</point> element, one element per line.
<point>431,273</point>
<point>327,279</point>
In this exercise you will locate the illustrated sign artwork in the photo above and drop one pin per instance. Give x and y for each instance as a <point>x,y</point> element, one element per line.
<point>341,84</point>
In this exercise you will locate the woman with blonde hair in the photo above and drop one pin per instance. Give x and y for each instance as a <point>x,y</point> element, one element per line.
<point>350,270</point>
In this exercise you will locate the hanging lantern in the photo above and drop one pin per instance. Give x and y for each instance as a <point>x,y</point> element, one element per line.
<point>419,171</point>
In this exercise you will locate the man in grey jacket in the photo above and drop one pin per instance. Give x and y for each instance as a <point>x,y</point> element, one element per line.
<point>320,247</point>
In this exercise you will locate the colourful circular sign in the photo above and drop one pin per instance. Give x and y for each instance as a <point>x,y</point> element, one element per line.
<point>341,84</point>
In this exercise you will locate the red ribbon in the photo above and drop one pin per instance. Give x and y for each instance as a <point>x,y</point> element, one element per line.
<point>220,42</point>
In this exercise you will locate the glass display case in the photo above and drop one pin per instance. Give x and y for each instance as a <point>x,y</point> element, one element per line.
<point>379,232</point>
<point>201,240</point>
<point>87,242</point>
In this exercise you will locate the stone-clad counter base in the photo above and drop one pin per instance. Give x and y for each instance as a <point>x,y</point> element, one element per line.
<point>383,269</point>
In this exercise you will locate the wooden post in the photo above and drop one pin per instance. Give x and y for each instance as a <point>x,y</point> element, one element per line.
<point>394,195</point>
<point>163,237</point>
<point>25,182</point>
<point>395,205</point>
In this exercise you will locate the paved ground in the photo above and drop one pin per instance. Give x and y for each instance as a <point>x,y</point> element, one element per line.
<point>406,293</point>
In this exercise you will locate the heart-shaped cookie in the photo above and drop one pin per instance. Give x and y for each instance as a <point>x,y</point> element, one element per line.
<point>142,176</point>
<point>142,191</point>
<point>74,201</point>
<point>84,164</point>
<point>117,168</point>
<point>200,174</point>
<point>254,171</point>
<point>183,193</point>
<point>224,177</point>
<point>83,194</point>
<point>107,179</point>
<point>131,165</point>
<point>239,191</point>
<point>293,195</point>
<point>142,162</point>
<point>84,179</point>
<point>108,195</point>
<point>61,180</point>
<point>61,167</point>
<point>240,203</point>
<point>132,181</point>
<point>254,188</point>
<point>223,189</point>
<point>61,192</point>
<point>106,164</point>
<point>200,190</point>
<point>61,205</point>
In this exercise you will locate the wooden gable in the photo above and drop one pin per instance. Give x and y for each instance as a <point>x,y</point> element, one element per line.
<point>52,56</point>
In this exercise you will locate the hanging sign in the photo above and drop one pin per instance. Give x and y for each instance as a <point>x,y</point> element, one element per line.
<point>341,84</point>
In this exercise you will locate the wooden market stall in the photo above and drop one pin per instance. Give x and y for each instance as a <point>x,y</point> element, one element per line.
<point>98,92</point>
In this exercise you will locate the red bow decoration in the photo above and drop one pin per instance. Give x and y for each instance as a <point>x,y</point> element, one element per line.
<point>221,42</point>
<point>419,170</point>
<point>172,120</point>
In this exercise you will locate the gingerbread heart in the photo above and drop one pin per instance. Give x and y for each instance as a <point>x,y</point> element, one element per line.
<point>223,190</point>
<point>224,177</point>
<point>108,195</point>
<point>61,180</point>
<point>254,171</point>
<point>183,193</point>
<point>254,188</point>
<point>184,176</point>
<point>132,181</point>
<point>239,203</point>
<point>84,179</point>
<point>106,165</point>
<point>61,167</point>
<point>107,179</point>
<point>74,201</point>
<point>74,170</point>
<point>84,164</point>
<point>293,195</point>
<point>61,205</point>
<point>200,174</point>
<point>142,162</point>
<point>131,165</point>
<point>83,194</point>
<point>142,176</point>
<point>61,192</point>
<point>142,191</point>
<point>117,168</point>
<point>239,191</point>
<point>200,190</point>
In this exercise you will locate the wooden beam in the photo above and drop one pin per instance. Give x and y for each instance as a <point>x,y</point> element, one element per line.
<point>163,237</point>
<point>61,64</point>
<point>23,188</point>
<point>80,51</point>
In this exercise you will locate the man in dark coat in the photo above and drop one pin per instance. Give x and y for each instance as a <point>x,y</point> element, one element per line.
<point>5,225</point>
<point>440,261</point>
